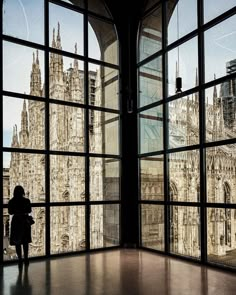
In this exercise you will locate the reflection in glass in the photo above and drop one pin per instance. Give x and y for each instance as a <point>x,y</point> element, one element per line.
<point>103,87</point>
<point>104,226</point>
<point>151,130</point>
<point>66,128</point>
<point>67,228</point>
<point>23,69</point>
<point>103,132</point>
<point>103,43</point>
<point>182,16</point>
<point>220,47</point>
<point>152,178</point>
<point>67,83</point>
<point>30,16</point>
<point>23,123</point>
<point>37,247</point>
<point>150,82</point>
<point>179,66</point>
<point>66,29</point>
<point>150,35</point>
<point>214,8</point>
<point>220,168</point>
<point>220,110</point>
<point>185,231</point>
<point>183,121</point>
<point>184,176</point>
<point>153,227</point>
<point>221,232</point>
<point>67,178</point>
<point>27,170</point>
<point>104,179</point>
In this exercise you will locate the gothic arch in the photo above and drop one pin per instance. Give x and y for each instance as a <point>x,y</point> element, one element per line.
<point>173,191</point>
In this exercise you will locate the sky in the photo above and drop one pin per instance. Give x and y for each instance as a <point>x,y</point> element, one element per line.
<point>220,45</point>
<point>24,19</point>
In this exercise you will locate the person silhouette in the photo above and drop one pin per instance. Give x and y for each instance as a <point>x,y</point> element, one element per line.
<point>20,233</point>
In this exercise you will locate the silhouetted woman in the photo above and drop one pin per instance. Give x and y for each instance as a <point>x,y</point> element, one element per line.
<point>20,234</point>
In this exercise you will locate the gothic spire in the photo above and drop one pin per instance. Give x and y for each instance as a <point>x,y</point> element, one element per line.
<point>35,78</point>
<point>58,45</point>
<point>24,118</point>
<point>221,121</point>
<point>215,90</point>
<point>15,142</point>
<point>75,60</point>
<point>53,38</point>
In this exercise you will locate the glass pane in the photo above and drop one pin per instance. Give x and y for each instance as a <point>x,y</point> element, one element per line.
<point>220,166</point>
<point>66,128</point>
<point>23,123</point>
<point>103,87</point>
<point>220,47</point>
<point>30,16</point>
<point>67,228</point>
<point>104,226</point>
<point>181,18</point>
<point>150,82</point>
<point>67,178</point>
<point>104,179</point>
<point>184,176</point>
<point>214,8</point>
<point>37,247</point>
<point>24,66</point>
<point>150,35</point>
<point>103,43</point>
<point>66,82</point>
<point>103,132</point>
<point>221,232</point>
<point>153,232</point>
<point>220,109</point>
<point>179,66</point>
<point>185,235</point>
<point>66,29</point>
<point>27,170</point>
<point>99,7</point>
<point>152,178</point>
<point>183,118</point>
<point>151,130</point>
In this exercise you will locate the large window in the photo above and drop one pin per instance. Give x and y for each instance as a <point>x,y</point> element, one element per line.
<point>187,126</point>
<point>61,123</point>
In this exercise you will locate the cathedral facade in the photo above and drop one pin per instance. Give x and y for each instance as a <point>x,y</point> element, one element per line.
<point>67,173</point>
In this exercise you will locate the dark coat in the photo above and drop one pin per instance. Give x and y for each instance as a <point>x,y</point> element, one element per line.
<point>20,227</point>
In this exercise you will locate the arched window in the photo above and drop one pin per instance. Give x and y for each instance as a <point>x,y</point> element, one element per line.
<point>61,116</point>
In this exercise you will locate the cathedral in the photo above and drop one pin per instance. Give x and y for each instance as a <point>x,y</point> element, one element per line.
<point>184,178</point>
<point>67,173</point>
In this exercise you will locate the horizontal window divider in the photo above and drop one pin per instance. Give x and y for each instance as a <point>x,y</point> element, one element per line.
<point>183,203</point>
<point>148,59</point>
<point>219,19</point>
<point>67,103</point>
<point>150,106</point>
<point>219,81</point>
<point>182,40</point>
<point>102,109</point>
<point>219,143</point>
<point>66,204</point>
<point>66,53</point>
<point>153,202</point>
<point>118,157</point>
<point>182,94</point>
<point>24,150</point>
<point>183,148</point>
<point>107,202</point>
<point>23,42</point>
<point>23,96</point>
<point>67,153</point>
<point>102,63</point>
<point>151,154</point>
<point>220,205</point>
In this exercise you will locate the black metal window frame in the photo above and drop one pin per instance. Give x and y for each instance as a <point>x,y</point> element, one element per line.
<point>203,205</point>
<point>87,203</point>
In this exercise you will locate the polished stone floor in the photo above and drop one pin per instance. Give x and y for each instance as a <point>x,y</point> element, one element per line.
<point>123,272</point>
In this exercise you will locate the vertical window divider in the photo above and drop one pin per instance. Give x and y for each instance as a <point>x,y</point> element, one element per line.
<point>165,128</point>
<point>47,127</point>
<point>1,144</point>
<point>86,126</point>
<point>203,219</point>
